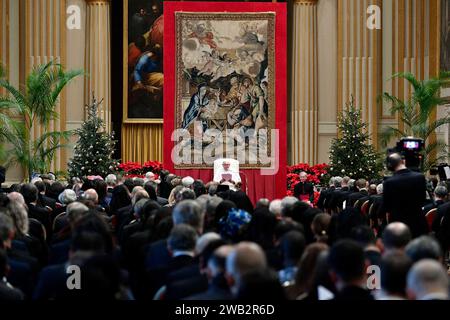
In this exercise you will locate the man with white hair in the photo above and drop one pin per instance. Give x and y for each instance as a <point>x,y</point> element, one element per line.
<point>75,211</point>
<point>226,176</point>
<point>246,257</point>
<point>325,192</point>
<point>427,280</point>
<point>16,197</point>
<point>149,176</point>
<point>67,196</point>
<point>287,203</point>
<point>111,181</point>
<point>376,205</point>
<point>187,182</point>
<point>275,207</point>
<point>304,190</point>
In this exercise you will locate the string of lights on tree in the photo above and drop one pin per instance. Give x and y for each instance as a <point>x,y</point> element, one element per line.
<point>351,154</point>
<point>93,152</point>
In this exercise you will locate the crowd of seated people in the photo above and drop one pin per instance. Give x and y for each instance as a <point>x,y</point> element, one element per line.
<point>178,238</point>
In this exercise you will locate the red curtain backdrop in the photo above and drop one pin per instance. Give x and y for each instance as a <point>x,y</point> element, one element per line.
<point>259,186</point>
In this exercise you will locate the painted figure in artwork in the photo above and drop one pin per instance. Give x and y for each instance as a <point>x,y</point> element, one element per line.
<point>224,73</point>
<point>145,59</point>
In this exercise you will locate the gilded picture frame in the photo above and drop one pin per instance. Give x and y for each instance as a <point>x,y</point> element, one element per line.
<point>142,103</point>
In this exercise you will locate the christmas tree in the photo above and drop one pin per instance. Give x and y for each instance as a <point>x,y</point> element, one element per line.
<point>94,149</point>
<point>352,154</point>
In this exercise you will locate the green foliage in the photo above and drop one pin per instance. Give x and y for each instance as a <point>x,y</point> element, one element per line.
<point>352,154</point>
<point>21,109</point>
<point>94,149</point>
<point>415,114</point>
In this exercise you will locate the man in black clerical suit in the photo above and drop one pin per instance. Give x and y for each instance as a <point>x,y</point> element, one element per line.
<point>304,190</point>
<point>404,195</point>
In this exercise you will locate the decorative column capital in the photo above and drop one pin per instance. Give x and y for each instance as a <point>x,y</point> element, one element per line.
<point>306,2</point>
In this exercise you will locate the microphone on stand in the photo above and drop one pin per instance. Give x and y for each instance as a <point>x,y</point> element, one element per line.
<point>246,181</point>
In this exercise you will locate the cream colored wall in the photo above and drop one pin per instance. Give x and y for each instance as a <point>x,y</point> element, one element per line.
<point>14,173</point>
<point>75,60</point>
<point>327,65</point>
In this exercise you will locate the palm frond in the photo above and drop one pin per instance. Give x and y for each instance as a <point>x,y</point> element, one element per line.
<point>21,100</point>
<point>409,77</point>
<point>65,78</point>
<point>48,137</point>
<point>389,133</point>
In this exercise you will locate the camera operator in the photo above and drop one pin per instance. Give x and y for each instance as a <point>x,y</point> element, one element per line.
<point>404,195</point>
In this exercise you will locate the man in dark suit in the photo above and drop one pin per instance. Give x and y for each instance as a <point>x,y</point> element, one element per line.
<point>21,268</point>
<point>188,212</point>
<point>2,176</point>
<point>324,193</point>
<point>7,291</point>
<point>181,245</point>
<point>361,196</point>
<point>440,194</point>
<point>30,195</point>
<point>339,195</point>
<point>328,202</point>
<point>304,190</point>
<point>43,200</point>
<point>348,271</point>
<point>217,284</point>
<point>404,195</point>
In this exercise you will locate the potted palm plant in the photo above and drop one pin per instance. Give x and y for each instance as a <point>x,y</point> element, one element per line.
<point>415,113</point>
<point>23,108</point>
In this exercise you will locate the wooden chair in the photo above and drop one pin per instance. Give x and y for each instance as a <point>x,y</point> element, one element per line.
<point>430,215</point>
<point>37,229</point>
<point>365,208</point>
<point>59,217</point>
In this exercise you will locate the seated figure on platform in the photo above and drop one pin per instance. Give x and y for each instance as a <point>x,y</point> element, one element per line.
<point>226,172</point>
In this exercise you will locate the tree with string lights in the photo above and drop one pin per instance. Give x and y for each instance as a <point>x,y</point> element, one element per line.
<point>351,154</point>
<point>93,152</point>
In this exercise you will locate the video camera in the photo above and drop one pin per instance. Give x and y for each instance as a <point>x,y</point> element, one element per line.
<point>411,150</point>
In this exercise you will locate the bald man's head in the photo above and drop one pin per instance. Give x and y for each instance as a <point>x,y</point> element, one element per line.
<point>246,257</point>
<point>395,162</point>
<point>396,236</point>
<point>427,280</point>
<point>91,195</point>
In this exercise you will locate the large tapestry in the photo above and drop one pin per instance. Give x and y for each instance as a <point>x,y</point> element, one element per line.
<point>225,91</point>
<point>143,60</point>
<point>225,85</point>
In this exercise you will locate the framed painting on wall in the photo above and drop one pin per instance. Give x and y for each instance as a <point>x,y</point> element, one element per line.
<point>143,76</point>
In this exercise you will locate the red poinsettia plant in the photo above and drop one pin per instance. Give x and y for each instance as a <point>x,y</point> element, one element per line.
<point>316,175</point>
<point>136,170</point>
